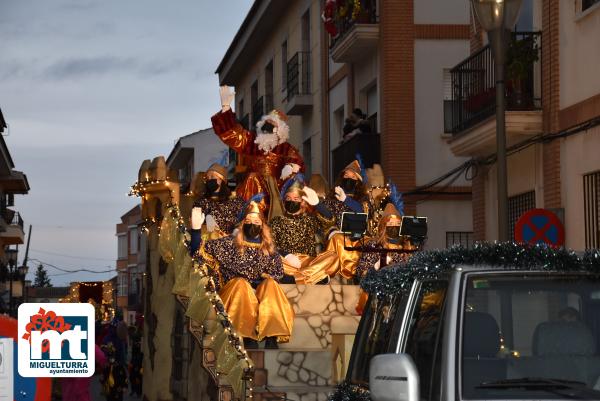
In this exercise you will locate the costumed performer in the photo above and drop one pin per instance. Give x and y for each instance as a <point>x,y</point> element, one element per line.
<point>297,230</point>
<point>220,205</point>
<point>349,195</point>
<point>245,259</point>
<point>266,151</point>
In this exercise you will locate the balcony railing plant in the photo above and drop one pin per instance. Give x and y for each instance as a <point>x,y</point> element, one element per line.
<point>298,75</point>
<point>347,15</point>
<point>474,83</point>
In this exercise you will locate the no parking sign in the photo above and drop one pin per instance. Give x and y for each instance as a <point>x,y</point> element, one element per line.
<point>540,226</point>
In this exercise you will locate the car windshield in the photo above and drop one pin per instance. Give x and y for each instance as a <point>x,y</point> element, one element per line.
<point>531,336</point>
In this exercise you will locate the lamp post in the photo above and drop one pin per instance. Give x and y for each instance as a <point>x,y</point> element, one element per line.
<point>23,274</point>
<point>11,257</point>
<point>498,17</point>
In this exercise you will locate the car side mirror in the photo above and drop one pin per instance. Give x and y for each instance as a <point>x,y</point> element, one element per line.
<point>393,377</point>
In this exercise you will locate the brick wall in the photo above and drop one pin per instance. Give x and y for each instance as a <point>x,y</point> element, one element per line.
<point>397,94</point>
<point>550,101</point>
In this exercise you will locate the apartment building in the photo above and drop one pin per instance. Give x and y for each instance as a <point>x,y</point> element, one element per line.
<point>392,60</point>
<point>12,234</point>
<point>131,264</point>
<point>552,122</point>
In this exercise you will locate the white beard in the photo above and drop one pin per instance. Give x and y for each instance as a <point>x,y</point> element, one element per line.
<point>267,142</point>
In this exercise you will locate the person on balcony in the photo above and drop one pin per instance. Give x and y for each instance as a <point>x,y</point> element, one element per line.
<point>356,124</point>
<point>349,195</point>
<point>297,230</point>
<point>246,260</point>
<point>265,152</point>
<point>218,203</point>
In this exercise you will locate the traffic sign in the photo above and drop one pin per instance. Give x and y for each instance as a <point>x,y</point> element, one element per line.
<point>540,226</point>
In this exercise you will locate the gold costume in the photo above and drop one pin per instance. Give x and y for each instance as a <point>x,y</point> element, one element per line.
<point>266,313</point>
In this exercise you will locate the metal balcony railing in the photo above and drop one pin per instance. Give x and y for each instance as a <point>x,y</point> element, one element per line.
<point>474,83</point>
<point>258,110</point>
<point>367,145</point>
<point>298,75</point>
<point>367,15</point>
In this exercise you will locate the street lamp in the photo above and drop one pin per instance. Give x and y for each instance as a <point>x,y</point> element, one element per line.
<point>498,17</point>
<point>23,270</point>
<point>11,259</point>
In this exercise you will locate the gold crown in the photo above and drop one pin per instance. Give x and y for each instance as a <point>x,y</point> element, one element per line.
<point>390,210</point>
<point>355,168</point>
<point>219,170</point>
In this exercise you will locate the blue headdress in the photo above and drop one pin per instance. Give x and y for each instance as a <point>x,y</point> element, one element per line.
<point>396,198</point>
<point>297,179</point>
<point>252,206</point>
<point>363,170</point>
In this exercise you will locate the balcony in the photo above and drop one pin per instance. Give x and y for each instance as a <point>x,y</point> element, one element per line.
<point>470,114</point>
<point>367,145</point>
<point>258,110</point>
<point>357,37</point>
<point>299,97</point>
<point>14,233</point>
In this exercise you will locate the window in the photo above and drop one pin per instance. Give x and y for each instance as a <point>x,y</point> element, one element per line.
<point>530,327</point>
<point>424,341</point>
<point>122,284</point>
<point>338,125</point>
<point>376,334</point>
<point>122,246</point>
<point>525,21</point>
<point>240,109</point>
<point>447,78</point>
<point>585,4</point>
<point>269,87</point>
<point>462,238</point>
<point>284,60</point>
<point>517,205</point>
<point>253,100</point>
<point>305,23</point>
<point>133,241</point>
<point>591,206</point>
<point>307,155</point>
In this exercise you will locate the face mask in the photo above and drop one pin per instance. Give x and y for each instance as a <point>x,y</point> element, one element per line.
<point>292,207</point>
<point>212,185</point>
<point>348,184</point>
<point>252,230</point>
<point>392,231</point>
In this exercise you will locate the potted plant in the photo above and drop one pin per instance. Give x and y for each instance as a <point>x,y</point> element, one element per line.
<point>522,54</point>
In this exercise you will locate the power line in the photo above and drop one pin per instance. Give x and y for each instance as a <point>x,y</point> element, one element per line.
<point>76,270</point>
<point>71,256</point>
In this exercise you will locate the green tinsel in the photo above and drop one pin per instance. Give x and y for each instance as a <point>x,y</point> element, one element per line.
<point>430,264</point>
<point>350,392</point>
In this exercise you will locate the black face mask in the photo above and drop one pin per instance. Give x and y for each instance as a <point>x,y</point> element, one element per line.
<point>252,231</point>
<point>212,186</point>
<point>348,185</point>
<point>292,207</point>
<point>392,231</point>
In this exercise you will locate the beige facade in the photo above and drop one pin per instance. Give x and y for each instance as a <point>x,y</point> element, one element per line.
<point>391,62</point>
<point>276,37</point>
<point>560,169</point>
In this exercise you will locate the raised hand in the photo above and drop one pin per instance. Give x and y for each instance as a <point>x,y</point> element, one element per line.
<point>197,218</point>
<point>293,260</point>
<point>211,223</point>
<point>340,194</point>
<point>310,196</point>
<point>227,97</point>
<point>286,171</point>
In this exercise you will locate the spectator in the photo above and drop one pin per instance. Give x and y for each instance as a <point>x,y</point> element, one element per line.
<point>356,124</point>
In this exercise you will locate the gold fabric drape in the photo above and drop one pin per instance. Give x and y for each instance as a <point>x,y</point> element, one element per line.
<point>347,260</point>
<point>313,269</point>
<point>266,313</point>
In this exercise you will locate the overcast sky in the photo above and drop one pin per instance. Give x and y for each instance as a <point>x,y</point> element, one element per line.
<point>89,90</point>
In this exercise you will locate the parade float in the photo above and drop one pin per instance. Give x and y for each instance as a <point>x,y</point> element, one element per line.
<point>293,337</point>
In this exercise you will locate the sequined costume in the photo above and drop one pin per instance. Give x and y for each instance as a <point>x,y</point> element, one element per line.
<point>225,212</point>
<point>258,314</point>
<point>248,265</point>
<point>368,260</point>
<point>263,168</point>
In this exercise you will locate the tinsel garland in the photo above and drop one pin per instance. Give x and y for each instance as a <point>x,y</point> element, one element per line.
<point>508,255</point>
<point>350,392</point>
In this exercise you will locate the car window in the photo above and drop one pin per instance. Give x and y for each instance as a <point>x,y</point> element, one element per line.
<point>425,337</point>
